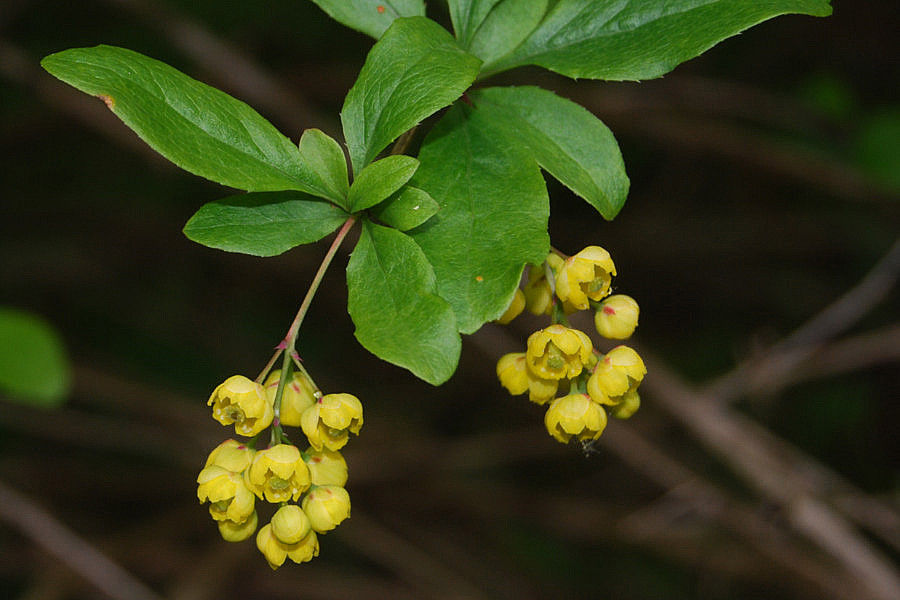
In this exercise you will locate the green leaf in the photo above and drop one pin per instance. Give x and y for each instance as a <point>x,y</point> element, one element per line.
<point>415,69</point>
<point>371,17</point>
<point>407,209</point>
<point>391,299</point>
<point>566,140</point>
<point>379,180</point>
<point>493,216</point>
<point>197,127</point>
<point>34,369</point>
<point>507,25</point>
<point>640,39</point>
<point>263,223</point>
<point>467,15</point>
<point>327,165</point>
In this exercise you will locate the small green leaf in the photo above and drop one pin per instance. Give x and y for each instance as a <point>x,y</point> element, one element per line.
<point>33,365</point>
<point>507,25</point>
<point>263,223</point>
<point>566,140</point>
<point>493,216</point>
<point>467,15</point>
<point>415,69</point>
<point>391,299</point>
<point>197,127</point>
<point>379,180</point>
<point>327,163</point>
<point>406,209</point>
<point>640,39</point>
<point>371,17</point>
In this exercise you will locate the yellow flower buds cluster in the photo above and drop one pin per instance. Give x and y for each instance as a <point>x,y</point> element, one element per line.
<point>307,486</point>
<point>560,366</point>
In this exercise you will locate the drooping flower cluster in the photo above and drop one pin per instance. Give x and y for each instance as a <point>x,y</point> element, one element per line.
<point>560,365</point>
<point>306,486</point>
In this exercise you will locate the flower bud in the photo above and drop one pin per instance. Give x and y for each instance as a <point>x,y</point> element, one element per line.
<point>515,308</point>
<point>238,532</point>
<point>326,467</point>
<point>617,317</point>
<point>290,524</point>
<point>513,373</point>
<point>326,506</point>
<point>627,406</point>
<point>231,455</point>
<point>298,395</point>
<point>515,376</point>
<point>538,290</point>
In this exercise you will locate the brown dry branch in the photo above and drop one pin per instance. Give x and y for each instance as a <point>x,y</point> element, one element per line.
<point>753,453</point>
<point>69,548</point>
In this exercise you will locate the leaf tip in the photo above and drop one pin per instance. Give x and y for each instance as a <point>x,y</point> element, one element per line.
<point>108,101</point>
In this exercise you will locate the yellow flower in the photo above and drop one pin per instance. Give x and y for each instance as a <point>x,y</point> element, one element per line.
<point>290,524</point>
<point>617,317</point>
<point>627,406</point>
<point>242,402</point>
<point>538,292</point>
<point>276,552</point>
<point>326,467</point>
<point>299,394</point>
<point>585,276</point>
<point>329,422</point>
<point>231,455</point>
<point>238,532</point>
<point>278,474</point>
<point>515,376</point>
<point>575,415</point>
<point>557,352</point>
<point>229,498</point>
<point>515,308</point>
<point>619,371</point>
<point>326,506</point>
<point>513,373</point>
<point>626,359</point>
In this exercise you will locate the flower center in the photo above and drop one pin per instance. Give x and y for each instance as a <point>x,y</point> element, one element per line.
<point>278,484</point>
<point>234,413</point>
<point>556,360</point>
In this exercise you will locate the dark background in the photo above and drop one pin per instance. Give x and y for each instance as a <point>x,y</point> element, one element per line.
<point>763,464</point>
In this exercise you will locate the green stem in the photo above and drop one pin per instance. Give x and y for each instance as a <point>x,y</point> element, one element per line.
<point>288,345</point>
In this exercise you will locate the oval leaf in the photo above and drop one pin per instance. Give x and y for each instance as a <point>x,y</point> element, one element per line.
<point>371,17</point>
<point>379,180</point>
<point>640,39</point>
<point>407,209</point>
<point>327,163</point>
<point>565,138</point>
<point>391,299</point>
<point>263,223</point>
<point>199,128</point>
<point>493,214</point>
<point>33,365</point>
<point>415,69</point>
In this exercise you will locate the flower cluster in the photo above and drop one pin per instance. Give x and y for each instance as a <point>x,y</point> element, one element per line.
<point>560,365</point>
<point>306,486</point>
